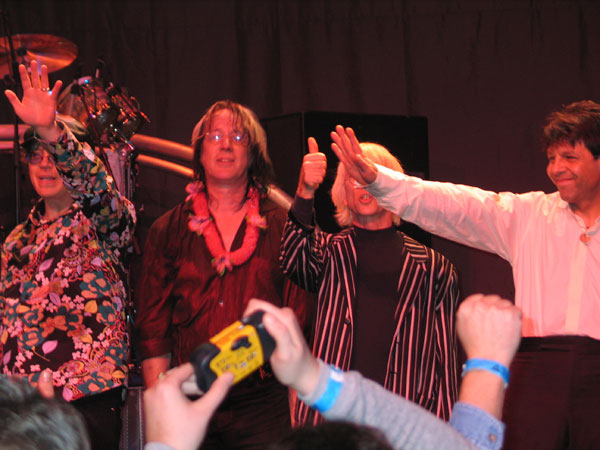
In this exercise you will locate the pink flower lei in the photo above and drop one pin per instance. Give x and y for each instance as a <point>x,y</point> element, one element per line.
<point>203,224</point>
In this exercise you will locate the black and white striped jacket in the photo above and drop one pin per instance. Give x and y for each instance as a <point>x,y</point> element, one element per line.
<point>422,362</point>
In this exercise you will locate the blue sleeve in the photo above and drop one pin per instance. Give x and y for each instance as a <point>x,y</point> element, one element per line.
<point>157,446</point>
<point>481,428</point>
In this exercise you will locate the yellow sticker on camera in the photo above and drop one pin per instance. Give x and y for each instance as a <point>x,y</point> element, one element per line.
<point>240,351</point>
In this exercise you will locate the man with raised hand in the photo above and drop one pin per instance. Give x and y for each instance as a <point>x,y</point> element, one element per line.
<point>551,242</point>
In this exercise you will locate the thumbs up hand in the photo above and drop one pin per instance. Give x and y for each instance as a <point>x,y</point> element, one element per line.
<point>312,173</point>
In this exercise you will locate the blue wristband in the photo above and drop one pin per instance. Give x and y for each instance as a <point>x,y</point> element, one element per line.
<point>487,364</point>
<point>335,382</point>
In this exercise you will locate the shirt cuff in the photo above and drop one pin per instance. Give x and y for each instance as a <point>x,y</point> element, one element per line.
<point>478,426</point>
<point>302,210</point>
<point>386,178</point>
<point>153,347</point>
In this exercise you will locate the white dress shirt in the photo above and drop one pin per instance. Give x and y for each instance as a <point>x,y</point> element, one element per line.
<point>555,260</point>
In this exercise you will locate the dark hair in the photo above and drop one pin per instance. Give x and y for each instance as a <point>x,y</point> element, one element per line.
<point>260,172</point>
<point>577,122</point>
<point>332,436</point>
<point>29,421</point>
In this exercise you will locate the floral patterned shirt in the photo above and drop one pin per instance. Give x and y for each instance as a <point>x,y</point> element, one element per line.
<point>63,285</point>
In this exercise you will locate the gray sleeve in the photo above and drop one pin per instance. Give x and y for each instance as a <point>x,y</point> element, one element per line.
<point>405,424</point>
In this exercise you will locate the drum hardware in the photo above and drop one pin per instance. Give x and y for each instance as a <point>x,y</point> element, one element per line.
<point>130,118</point>
<point>86,101</point>
<point>111,117</point>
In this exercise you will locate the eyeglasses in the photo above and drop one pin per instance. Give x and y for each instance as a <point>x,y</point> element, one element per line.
<point>237,137</point>
<point>36,157</point>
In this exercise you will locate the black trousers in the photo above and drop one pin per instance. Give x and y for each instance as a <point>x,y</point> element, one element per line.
<point>102,415</point>
<point>255,414</point>
<point>553,399</point>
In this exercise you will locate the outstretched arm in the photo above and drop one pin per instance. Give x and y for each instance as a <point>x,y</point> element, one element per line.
<point>173,419</point>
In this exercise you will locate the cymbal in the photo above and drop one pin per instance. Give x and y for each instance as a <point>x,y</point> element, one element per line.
<point>53,51</point>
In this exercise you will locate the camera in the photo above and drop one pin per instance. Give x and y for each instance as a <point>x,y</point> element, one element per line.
<point>241,348</point>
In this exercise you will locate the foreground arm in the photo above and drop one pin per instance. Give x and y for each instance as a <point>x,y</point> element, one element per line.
<point>362,401</point>
<point>489,328</point>
<point>172,420</point>
<point>404,424</point>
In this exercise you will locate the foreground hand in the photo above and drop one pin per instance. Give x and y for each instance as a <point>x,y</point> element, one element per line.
<point>489,327</point>
<point>38,106</point>
<point>312,173</point>
<point>292,361</point>
<point>173,419</point>
<point>347,148</point>
<point>45,385</point>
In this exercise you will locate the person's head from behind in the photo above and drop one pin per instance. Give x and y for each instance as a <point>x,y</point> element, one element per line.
<point>230,146</point>
<point>28,421</point>
<point>332,436</point>
<point>571,140</point>
<point>354,205</point>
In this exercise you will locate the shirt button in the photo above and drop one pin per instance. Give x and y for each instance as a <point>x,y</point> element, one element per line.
<point>221,302</point>
<point>492,437</point>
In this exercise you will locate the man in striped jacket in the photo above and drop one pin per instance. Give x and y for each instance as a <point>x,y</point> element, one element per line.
<point>386,303</point>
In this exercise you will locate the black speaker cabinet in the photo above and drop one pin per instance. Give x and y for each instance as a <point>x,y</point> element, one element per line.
<point>404,137</point>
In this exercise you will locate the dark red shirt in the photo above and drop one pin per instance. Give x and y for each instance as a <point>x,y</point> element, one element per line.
<point>181,299</point>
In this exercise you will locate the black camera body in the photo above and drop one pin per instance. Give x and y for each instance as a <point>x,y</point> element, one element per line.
<point>241,348</point>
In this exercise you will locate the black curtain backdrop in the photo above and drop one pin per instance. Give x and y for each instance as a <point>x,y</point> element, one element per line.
<point>484,73</point>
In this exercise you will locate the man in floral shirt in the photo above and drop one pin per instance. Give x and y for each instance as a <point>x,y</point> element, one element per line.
<point>62,291</point>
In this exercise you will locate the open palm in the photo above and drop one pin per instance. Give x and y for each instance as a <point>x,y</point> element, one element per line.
<point>38,105</point>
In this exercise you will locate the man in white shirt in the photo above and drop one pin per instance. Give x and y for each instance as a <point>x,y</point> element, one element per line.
<point>553,245</point>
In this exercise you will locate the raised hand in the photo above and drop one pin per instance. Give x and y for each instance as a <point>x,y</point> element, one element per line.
<point>292,361</point>
<point>38,105</point>
<point>489,327</point>
<point>173,419</point>
<point>312,173</point>
<point>347,148</point>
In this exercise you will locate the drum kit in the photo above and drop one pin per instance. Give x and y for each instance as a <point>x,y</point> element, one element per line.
<point>108,115</point>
